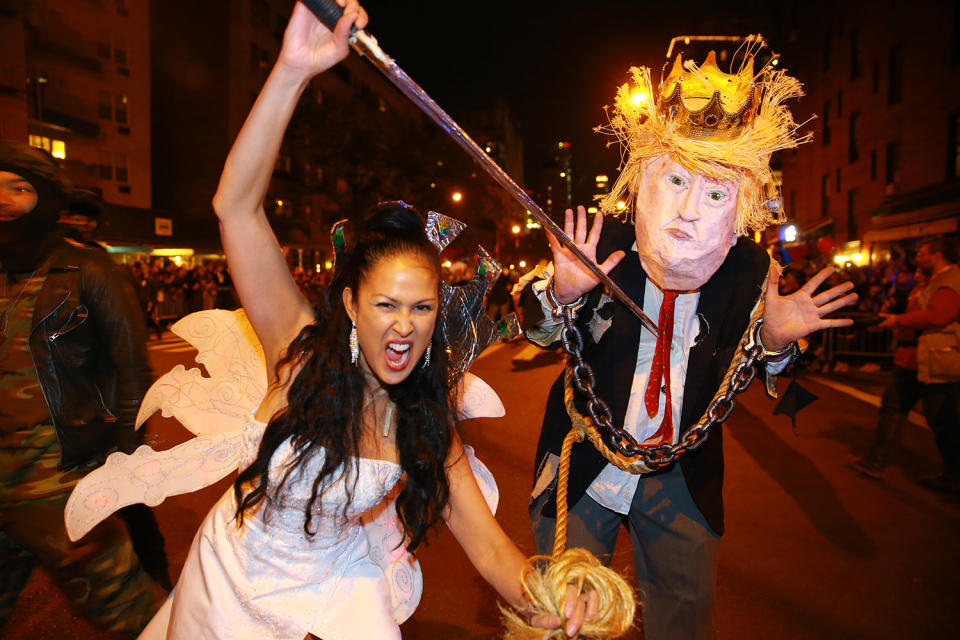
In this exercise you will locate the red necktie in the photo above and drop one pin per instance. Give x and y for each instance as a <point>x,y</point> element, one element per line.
<point>661,371</point>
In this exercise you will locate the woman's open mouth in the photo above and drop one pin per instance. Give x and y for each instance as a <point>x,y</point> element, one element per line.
<point>397,355</point>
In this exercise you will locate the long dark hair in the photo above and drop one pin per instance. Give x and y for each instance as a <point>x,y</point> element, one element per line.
<point>325,399</point>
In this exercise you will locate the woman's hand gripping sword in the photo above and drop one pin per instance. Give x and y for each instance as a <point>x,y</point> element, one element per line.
<point>328,11</point>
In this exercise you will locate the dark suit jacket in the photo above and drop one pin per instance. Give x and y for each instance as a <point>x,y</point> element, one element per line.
<point>726,301</point>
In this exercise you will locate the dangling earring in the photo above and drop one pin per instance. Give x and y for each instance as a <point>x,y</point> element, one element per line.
<point>354,345</point>
<point>426,355</point>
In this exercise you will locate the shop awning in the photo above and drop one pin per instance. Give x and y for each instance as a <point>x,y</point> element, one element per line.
<point>915,230</point>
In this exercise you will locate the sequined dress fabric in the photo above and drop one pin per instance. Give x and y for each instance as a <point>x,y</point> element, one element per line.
<point>268,579</point>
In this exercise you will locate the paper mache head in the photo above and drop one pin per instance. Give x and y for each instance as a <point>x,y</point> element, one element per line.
<point>718,125</point>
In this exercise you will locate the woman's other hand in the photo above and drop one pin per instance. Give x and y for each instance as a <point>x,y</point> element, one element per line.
<point>578,608</point>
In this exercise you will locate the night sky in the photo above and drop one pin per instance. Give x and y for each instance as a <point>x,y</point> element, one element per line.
<point>556,63</point>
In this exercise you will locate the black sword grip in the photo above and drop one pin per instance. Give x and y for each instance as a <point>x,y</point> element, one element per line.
<point>327,11</point>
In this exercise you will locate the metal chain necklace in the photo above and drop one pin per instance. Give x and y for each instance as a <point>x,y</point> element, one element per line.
<point>618,439</point>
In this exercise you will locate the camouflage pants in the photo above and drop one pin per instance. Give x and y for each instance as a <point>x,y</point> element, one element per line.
<point>100,573</point>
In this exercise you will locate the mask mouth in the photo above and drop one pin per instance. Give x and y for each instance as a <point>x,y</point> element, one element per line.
<point>678,234</point>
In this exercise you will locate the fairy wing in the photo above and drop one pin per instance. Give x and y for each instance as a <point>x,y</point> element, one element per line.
<point>215,407</point>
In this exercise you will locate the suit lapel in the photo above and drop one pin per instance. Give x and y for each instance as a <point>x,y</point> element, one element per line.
<point>716,300</point>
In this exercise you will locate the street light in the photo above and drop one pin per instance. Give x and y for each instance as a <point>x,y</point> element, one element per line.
<point>457,196</point>
<point>515,229</point>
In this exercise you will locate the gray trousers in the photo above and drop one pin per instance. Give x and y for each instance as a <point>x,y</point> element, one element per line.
<point>674,552</point>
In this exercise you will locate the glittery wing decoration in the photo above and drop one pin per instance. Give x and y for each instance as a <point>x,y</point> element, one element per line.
<point>468,329</point>
<point>214,408</point>
<point>441,229</point>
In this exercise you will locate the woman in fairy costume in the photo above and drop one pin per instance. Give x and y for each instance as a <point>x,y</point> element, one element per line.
<point>359,401</point>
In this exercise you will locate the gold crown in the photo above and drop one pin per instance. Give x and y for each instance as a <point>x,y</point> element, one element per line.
<point>707,103</point>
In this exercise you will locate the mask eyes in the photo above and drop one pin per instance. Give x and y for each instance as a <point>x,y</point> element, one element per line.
<point>676,180</point>
<point>717,196</point>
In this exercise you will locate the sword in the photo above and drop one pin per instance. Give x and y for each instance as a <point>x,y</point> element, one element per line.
<point>329,12</point>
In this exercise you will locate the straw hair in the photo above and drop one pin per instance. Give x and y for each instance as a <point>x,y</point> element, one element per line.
<point>645,133</point>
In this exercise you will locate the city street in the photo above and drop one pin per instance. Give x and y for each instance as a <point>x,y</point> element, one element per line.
<point>812,550</point>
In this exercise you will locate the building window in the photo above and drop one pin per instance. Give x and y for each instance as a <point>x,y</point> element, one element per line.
<point>953,151</point>
<point>854,150</point>
<point>121,161</point>
<point>103,46</point>
<point>120,50</point>
<point>106,166</point>
<point>120,108</point>
<point>855,46</point>
<point>893,164</point>
<point>104,106</point>
<point>851,215</point>
<point>827,48</point>
<point>896,75</point>
<point>56,148</point>
<point>838,179</point>
<point>873,164</point>
<point>826,124</point>
<point>825,195</point>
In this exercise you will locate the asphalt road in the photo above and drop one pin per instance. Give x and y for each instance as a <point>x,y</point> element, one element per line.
<point>812,550</point>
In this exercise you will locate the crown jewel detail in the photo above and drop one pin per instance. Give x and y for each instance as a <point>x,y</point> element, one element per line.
<point>707,103</point>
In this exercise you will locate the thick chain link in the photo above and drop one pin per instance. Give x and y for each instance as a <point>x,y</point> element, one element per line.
<point>617,439</point>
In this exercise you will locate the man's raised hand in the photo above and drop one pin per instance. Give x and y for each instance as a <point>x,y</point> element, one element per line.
<point>571,278</point>
<point>788,318</point>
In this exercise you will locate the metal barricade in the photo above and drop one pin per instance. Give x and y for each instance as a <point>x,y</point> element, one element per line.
<point>864,339</point>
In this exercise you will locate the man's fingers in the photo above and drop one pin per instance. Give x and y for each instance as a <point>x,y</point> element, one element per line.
<point>568,223</point>
<point>581,236</point>
<point>811,285</point>
<point>612,260</point>
<point>773,281</point>
<point>832,293</point>
<point>595,229</point>
<point>837,304</point>
<point>836,322</point>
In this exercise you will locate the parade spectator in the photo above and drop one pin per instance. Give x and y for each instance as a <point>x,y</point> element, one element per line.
<point>73,370</point>
<point>928,371</point>
<point>498,298</point>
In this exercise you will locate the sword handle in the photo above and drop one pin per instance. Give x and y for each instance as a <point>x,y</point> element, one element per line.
<point>327,11</point>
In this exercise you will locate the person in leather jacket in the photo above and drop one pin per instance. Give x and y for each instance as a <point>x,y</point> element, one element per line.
<point>73,370</point>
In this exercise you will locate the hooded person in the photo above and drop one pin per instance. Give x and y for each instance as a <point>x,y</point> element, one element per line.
<point>73,369</point>
<point>695,182</point>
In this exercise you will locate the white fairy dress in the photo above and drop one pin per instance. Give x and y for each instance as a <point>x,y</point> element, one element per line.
<point>268,579</point>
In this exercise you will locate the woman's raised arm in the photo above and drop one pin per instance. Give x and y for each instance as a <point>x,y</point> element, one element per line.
<point>266,289</point>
